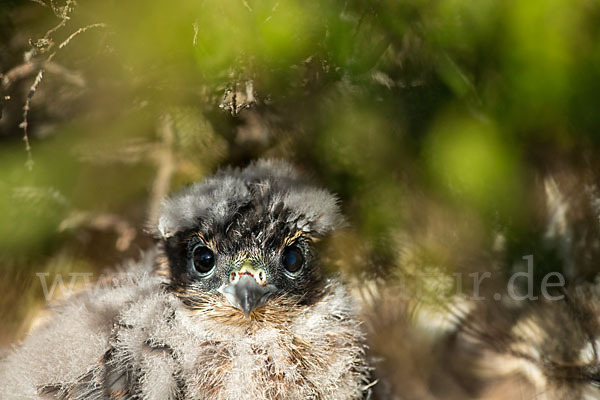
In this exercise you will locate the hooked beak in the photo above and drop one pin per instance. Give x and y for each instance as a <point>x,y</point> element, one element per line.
<point>247,290</point>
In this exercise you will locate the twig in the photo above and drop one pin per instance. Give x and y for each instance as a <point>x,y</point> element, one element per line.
<point>40,2</point>
<point>68,76</point>
<point>62,23</point>
<point>63,12</point>
<point>30,67</point>
<point>126,233</point>
<point>196,29</point>
<point>166,167</point>
<point>44,64</point>
<point>25,123</point>
<point>19,72</point>
<point>80,30</point>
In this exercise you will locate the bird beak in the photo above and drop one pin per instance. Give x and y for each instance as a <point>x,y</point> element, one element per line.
<point>247,289</point>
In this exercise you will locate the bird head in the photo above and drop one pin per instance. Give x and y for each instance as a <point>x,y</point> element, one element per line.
<point>244,237</point>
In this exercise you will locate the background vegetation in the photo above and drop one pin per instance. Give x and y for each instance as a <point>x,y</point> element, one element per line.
<point>435,122</point>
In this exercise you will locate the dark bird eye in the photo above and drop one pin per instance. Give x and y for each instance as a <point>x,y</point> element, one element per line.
<point>203,259</point>
<point>292,259</point>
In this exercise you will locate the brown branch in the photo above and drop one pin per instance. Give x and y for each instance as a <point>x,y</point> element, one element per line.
<point>19,72</point>
<point>166,167</point>
<point>40,2</point>
<point>126,233</point>
<point>29,68</point>
<point>62,23</point>
<point>44,64</point>
<point>74,78</point>
<point>79,31</point>
<point>25,124</point>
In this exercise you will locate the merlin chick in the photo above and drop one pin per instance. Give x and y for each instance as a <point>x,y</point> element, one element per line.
<point>231,304</point>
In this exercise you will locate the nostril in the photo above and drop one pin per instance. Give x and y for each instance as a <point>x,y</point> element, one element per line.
<point>262,277</point>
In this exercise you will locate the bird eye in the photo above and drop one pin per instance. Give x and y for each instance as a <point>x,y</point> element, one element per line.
<point>292,259</point>
<point>203,259</point>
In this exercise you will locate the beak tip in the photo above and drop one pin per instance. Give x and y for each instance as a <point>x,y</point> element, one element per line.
<point>246,295</point>
<point>246,306</point>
